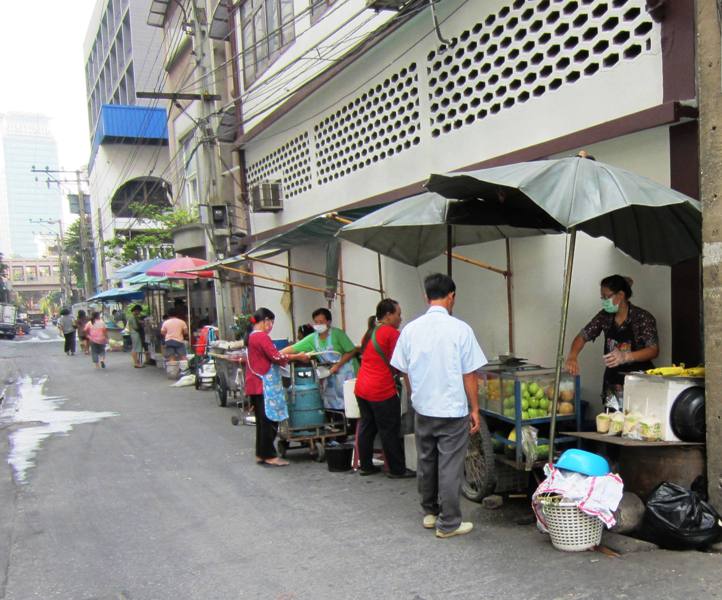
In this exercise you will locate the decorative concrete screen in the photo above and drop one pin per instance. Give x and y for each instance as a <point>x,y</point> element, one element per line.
<point>526,50</point>
<point>381,122</point>
<point>291,163</point>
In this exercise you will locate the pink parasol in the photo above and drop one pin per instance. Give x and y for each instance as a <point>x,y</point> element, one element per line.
<point>173,268</point>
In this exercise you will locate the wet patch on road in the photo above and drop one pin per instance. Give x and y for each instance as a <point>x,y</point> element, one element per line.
<point>38,417</point>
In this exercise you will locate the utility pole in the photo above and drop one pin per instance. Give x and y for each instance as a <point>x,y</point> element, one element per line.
<point>85,259</point>
<point>209,172</point>
<point>709,97</point>
<point>208,169</point>
<point>63,272</point>
<point>101,246</point>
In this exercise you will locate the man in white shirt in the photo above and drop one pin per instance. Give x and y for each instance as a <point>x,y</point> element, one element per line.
<point>440,356</point>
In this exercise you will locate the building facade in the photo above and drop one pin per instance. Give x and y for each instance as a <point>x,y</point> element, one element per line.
<point>198,58</point>
<point>25,142</point>
<point>121,56</point>
<point>350,107</point>
<point>128,163</point>
<point>31,280</point>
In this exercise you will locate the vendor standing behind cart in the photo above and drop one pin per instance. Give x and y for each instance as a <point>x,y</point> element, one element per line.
<point>630,336</point>
<point>261,357</point>
<point>174,331</point>
<point>330,342</point>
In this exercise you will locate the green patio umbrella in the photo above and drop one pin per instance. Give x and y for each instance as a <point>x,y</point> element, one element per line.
<point>645,219</point>
<point>417,229</point>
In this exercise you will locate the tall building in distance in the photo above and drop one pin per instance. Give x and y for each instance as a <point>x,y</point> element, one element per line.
<point>25,141</point>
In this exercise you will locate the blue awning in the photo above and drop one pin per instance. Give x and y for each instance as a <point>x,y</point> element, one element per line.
<point>124,124</point>
<point>126,294</point>
<point>136,268</point>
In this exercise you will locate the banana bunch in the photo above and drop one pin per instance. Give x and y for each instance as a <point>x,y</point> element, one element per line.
<point>677,371</point>
<point>694,372</point>
<point>672,371</point>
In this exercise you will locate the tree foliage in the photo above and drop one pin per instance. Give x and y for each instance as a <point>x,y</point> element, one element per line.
<point>154,235</point>
<point>71,248</point>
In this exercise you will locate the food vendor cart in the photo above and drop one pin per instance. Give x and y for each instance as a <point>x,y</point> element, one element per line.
<point>513,395</point>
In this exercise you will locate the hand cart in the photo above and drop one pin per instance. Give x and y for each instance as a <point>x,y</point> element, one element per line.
<point>494,462</point>
<point>309,425</point>
<point>230,380</point>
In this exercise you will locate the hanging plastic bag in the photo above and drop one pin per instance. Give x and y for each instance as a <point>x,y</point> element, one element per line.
<point>678,519</point>
<point>529,437</point>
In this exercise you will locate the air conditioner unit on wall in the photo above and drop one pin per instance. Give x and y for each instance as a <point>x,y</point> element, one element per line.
<point>266,196</point>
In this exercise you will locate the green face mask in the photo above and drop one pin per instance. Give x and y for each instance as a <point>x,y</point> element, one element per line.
<point>609,306</point>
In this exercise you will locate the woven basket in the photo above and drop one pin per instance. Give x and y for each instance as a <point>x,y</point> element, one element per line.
<point>570,529</point>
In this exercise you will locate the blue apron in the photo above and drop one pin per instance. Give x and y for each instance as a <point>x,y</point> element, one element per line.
<point>274,395</point>
<point>332,386</point>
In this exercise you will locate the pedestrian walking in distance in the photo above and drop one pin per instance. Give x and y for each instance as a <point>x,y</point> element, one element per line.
<point>440,355</point>
<point>66,326</point>
<point>97,334</point>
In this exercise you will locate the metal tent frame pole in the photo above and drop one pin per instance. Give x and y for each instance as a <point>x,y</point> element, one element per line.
<point>560,343</point>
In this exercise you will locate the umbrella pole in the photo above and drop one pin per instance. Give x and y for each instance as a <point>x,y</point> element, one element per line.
<point>509,299</point>
<point>562,332</point>
<point>290,294</point>
<point>381,275</point>
<point>188,310</point>
<point>449,248</point>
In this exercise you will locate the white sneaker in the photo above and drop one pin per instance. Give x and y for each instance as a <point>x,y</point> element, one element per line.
<point>429,521</point>
<point>463,529</point>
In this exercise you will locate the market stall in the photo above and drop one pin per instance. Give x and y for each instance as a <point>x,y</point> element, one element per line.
<point>644,219</point>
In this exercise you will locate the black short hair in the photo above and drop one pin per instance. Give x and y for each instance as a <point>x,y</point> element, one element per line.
<point>387,306</point>
<point>322,311</point>
<point>438,286</point>
<point>136,307</point>
<point>617,283</point>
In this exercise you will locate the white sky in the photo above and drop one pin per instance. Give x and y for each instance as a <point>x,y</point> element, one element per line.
<point>42,68</point>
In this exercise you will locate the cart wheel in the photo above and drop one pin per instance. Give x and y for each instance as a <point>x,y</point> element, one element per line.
<point>235,420</point>
<point>479,469</point>
<point>282,448</point>
<point>221,393</point>
<point>319,452</point>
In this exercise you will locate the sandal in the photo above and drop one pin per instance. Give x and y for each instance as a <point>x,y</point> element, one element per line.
<point>277,462</point>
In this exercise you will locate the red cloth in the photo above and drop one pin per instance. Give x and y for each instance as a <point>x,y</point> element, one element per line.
<point>261,353</point>
<point>374,381</point>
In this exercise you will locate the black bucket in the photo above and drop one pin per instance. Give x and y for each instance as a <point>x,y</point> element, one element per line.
<point>339,457</point>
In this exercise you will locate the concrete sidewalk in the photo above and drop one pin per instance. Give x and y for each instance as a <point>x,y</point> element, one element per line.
<point>165,501</point>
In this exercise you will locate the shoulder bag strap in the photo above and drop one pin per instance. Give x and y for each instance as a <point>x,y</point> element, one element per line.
<point>375,342</point>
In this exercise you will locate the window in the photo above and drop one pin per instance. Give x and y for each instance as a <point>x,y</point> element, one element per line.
<point>18,274</point>
<point>189,156</point>
<point>266,29</point>
<point>44,271</point>
<point>32,273</point>
<point>318,7</point>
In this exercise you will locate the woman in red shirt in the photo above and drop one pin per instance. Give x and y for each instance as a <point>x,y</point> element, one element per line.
<point>378,399</point>
<point>262,354</point>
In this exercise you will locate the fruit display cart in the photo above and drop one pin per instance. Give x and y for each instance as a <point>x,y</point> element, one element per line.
<point>512,395</point>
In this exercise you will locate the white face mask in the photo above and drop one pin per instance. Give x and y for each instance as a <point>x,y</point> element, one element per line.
<point>320,328</point>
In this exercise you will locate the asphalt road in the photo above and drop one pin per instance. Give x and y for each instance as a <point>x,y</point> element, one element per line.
<point>164,501</point>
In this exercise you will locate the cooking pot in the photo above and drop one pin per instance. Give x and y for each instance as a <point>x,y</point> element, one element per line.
<point>687,415</point>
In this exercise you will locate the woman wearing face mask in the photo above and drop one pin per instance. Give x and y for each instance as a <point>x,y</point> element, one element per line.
<point>263,385</point>
<point>330,342</point>
<point>630,336</point>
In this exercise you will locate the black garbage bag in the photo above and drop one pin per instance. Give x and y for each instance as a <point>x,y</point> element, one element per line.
<point>678,519</point>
